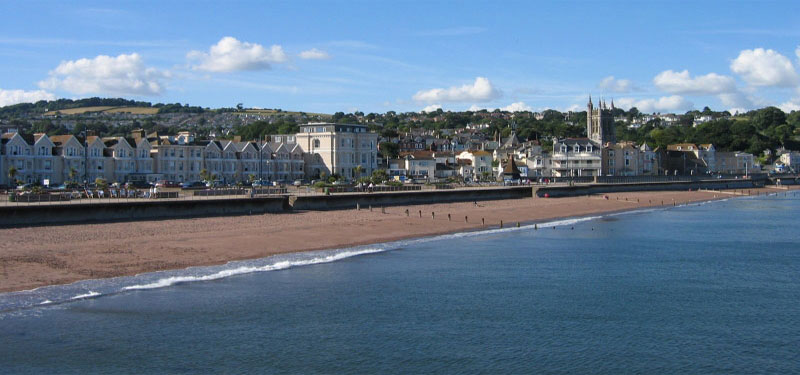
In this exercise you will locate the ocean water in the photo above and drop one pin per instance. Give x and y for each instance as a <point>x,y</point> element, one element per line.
<point>696,289</point>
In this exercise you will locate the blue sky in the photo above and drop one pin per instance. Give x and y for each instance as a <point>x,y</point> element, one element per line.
<point>377,56</point>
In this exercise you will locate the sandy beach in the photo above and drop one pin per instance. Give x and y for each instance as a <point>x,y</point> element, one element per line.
<point>39,256</point>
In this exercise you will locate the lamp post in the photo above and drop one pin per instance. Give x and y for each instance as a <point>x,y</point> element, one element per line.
<point>85,159</point>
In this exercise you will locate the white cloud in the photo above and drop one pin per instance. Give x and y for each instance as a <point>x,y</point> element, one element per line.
<point>9,97</point>
<point>616,85</point>
<point>479,91</point>
<point>517,107</point>
<point>432,108</point>
<point>121,75</point>
<point>663,104</point>
<point>575,108</point>
<point>314,54</point>
<point>760,67</point>
<point>790,105</point>
<point>736,100</point>
<point>682,83</point>
<point>475,108</point>
<point>230,54</point>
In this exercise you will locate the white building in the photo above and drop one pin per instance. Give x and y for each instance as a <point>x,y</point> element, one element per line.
<point>575,157</point>
<point>339,149</point>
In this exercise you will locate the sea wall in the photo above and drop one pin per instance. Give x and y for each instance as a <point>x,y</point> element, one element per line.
<point>570,191</point>
<point>349,201</point>
<point>11,216</point>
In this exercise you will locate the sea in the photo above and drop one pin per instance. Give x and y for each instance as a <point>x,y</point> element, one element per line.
<point>707,288</point>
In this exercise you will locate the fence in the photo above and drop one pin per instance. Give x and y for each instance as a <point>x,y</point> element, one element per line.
<point>270,191</point>
<point>353,189</point>
<point>219,192</point>
<point>29,198</point>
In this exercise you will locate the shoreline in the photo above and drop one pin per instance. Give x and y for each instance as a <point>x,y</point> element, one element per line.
<point>36,257</point>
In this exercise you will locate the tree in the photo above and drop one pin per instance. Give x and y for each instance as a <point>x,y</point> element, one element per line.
<point>358,170</point>
<point>379,176</point>
<point>769,116</point>
<point>389,149</point>
<point>72,174</point>
<point>12,174</point>
<point>101,183</point>
<point>251,177</point>
<point>204,175</point>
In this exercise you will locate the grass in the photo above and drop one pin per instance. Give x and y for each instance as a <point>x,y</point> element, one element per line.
<point>78,111</point>
<point>269,112</point>
<point>134,110</point>
<point>104,109</point>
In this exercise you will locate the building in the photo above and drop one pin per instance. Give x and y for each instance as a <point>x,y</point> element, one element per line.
<point>338,149</point>
<point>622,159</point>
<point>348,150</point>
<point>690,159</point>
<point>575,157</point>
<point>736,163</point>
<point>791,160</point>
<point>600,123</point>
<point>481,162</point>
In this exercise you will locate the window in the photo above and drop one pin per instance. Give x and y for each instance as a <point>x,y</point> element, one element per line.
<point>316,143</point>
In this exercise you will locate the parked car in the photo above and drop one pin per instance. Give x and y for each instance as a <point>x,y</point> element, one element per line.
<point>214,184</point>
<point>260,183</point>
<point>138,185</point>
<point>193,185</point>
<point>298,182</point>
<point>167,184</point>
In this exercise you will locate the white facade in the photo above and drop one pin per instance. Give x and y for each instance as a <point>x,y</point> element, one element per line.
<point>338,149</point>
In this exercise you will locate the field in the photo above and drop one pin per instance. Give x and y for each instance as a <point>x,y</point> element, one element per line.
<point>104,109</point>
<point>270,112</point>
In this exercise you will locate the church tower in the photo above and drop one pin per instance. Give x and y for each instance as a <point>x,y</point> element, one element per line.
<point>600,122</point>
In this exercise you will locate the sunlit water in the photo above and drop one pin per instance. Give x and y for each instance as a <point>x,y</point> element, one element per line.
<point>710,288</point>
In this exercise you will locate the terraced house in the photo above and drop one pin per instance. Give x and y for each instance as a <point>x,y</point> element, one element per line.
<point>150,157</point>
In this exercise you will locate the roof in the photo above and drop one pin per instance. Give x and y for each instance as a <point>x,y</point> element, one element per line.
<point>511,141</point>
<point>62,139</point>
<point>682,147</point>
<point>417,154</point>
<point>510,169</point>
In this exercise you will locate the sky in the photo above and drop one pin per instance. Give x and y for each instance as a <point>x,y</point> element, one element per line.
<point>379,56</point>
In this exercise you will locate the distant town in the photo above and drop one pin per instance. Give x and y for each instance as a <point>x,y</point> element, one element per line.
<point>116,140</point>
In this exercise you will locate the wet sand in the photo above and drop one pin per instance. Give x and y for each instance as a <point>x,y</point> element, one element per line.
<point>39,256</point>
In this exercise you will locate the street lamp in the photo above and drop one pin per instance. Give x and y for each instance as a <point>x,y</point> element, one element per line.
<point>85,159</point>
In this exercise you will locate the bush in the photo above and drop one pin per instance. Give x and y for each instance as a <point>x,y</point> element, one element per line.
<point>322,184</point>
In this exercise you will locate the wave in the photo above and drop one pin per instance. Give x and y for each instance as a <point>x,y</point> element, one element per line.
<point>86,295</point>
<point>169,281</point>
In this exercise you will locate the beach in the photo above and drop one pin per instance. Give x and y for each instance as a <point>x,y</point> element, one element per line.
<point>32,257</point>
